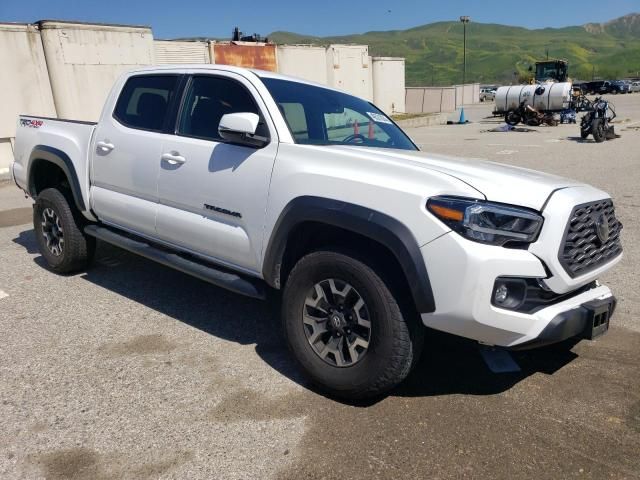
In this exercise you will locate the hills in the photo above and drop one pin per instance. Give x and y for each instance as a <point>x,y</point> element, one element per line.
<point>499,53</point>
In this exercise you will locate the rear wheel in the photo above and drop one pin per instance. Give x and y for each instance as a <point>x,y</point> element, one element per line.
<point>58,233</point>
<point>598,130</point>
<point>345,328</point>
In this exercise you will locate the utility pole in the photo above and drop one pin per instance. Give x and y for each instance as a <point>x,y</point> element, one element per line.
<point>464,19</point>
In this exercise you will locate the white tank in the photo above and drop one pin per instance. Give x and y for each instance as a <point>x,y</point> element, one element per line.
<point>544,97</point>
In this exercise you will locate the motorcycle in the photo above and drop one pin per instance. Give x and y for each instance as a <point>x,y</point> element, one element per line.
<point>596,121</point>
<point>529,116</point>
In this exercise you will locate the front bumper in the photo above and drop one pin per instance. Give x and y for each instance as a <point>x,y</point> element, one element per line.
<point>576,322</point>
<point>462,274</point>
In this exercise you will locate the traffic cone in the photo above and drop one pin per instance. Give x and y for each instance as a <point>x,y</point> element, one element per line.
<point>462,119</point>
<point>371,134</point>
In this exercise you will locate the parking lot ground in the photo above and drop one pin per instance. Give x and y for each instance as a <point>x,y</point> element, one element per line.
<point>132,370</point>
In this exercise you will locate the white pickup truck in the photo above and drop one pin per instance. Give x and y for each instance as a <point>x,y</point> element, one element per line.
<point>260,183</point>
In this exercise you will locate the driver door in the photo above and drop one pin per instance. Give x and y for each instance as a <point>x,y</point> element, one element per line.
<point>213,194</point>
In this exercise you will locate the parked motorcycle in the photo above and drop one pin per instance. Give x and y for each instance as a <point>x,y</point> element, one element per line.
<point>529,116</point>
<point>596,121</point>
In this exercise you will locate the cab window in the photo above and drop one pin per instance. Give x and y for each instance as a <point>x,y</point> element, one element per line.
<point>144,101</point>
<point>209,98</point>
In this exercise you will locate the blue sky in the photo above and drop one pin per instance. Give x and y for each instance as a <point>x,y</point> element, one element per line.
<point>172,18</point>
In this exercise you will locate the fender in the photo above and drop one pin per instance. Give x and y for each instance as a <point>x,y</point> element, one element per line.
<point>62,160</point>
<point>361,220</point>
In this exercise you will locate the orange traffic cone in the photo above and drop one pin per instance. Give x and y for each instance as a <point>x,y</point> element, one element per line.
<point>371,135</point>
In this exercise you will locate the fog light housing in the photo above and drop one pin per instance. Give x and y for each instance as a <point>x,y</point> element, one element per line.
<point>509,293</point>
<point>501,294</point>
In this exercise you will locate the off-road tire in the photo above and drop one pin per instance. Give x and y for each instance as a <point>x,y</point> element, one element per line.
<point>78,248</point>
<point>598,130</point>
<point>396,339</point>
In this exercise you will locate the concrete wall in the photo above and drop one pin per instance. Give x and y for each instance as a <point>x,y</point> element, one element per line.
<point>440,99</point>
<point>349,69</point>
<point>24,83</point>
<point>430,99</point>
<point>304,61</point>
<point>389,84</point>
<point>85,60</point>
<point>66,69</point>
<point>467,94</point>
<point>167,52</point>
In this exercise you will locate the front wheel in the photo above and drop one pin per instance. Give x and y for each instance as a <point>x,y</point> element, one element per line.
<point>345,328</point>
<point>598,130</point>
<point>58,233</point>
<point>512,118</point>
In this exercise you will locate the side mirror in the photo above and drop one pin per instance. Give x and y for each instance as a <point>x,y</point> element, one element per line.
<point>240,128</point>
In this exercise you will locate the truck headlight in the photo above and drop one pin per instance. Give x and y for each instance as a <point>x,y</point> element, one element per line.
<point>487,222</point>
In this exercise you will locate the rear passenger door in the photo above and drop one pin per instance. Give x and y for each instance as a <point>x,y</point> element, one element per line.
<point>127,149</point>
<point>213,194</point>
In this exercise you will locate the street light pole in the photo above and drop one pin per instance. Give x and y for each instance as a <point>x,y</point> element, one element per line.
<point>464,19</point>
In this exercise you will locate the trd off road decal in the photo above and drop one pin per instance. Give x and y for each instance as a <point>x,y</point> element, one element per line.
<point>27,122</point>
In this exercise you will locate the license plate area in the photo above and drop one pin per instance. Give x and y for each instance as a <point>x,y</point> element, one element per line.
<point>598,319</point>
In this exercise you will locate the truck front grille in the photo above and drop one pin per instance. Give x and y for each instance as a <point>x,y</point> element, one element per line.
<point>592,238</point>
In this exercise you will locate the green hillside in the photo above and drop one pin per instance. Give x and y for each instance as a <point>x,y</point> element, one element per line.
<point>499,53</point>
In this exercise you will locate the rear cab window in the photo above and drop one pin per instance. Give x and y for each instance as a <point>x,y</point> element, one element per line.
<point>144,101</point>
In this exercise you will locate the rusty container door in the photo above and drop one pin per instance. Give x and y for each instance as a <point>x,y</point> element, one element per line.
<point>262,57</point>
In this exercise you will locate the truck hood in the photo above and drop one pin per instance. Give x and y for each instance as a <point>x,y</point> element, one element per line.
<point>497,182</point>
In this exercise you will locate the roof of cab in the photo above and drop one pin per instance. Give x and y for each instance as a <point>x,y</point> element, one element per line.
<point>228,68</point>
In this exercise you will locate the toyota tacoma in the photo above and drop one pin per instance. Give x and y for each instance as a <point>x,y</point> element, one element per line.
<point>270,185</point>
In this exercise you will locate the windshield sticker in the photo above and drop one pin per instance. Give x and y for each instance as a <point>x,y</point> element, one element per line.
<point>378,118</point>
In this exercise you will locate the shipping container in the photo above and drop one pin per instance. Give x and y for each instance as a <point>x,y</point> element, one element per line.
<point>348,69</point>
<point>303,61</point>
<point>389,84</point>
<point>84,60</point>
<point>172,52</point>
<point>261,56</point>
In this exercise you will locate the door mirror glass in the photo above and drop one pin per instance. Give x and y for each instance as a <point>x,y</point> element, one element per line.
<point>241,128</point>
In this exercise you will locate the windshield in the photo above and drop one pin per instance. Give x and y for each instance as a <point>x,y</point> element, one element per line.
<point>319,116</point>
<point>551,70</point>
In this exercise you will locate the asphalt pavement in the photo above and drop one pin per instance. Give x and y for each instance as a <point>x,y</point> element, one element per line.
<point>133,370</point>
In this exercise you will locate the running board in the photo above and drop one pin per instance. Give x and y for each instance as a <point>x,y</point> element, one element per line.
<point>208,273</point>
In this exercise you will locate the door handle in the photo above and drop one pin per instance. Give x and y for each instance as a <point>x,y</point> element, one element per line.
<point>174,158</point>
<point>105,146</point>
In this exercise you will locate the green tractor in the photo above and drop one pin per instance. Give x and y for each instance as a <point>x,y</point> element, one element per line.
<point>552,70</point>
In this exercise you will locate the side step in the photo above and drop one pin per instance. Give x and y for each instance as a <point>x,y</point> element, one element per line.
<point>208,273</point>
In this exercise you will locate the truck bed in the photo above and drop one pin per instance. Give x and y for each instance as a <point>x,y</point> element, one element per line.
<point>35,134</point>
